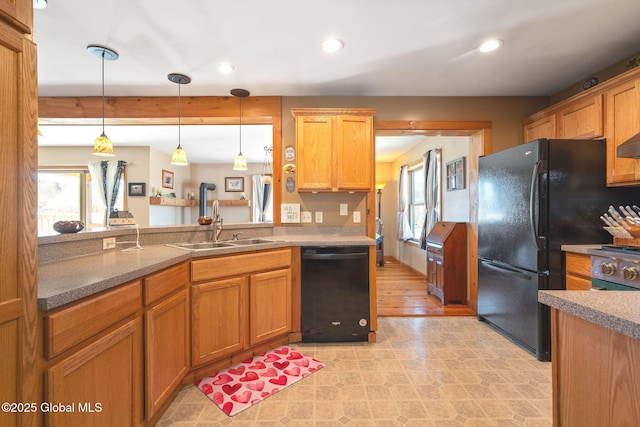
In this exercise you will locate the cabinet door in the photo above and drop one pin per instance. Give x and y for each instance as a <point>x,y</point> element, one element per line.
<point>622,122</point>
<point>270,296</point>
<point>218,319</point>
<point>541,128</point>
<point>431,271</point>
<point>354,152</point>
<point>440,276</point>
<point>103,381</point>
<point>581,120</point>
<point>18,13</point>
<point>314,140</point>
<point>166,349</point>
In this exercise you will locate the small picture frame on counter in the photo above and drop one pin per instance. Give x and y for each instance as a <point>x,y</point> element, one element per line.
<point>137,189</point>
<point>234,184</point>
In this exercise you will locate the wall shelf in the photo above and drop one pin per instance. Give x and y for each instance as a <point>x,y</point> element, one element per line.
<point>172,201</point>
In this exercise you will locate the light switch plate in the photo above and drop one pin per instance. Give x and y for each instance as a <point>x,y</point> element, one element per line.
<point>318,217</point>
<point>356,217</point>
<point>344,209</point>
<point>306,217</point>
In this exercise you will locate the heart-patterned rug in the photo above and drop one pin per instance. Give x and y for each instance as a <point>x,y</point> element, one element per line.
<point>239,387</point>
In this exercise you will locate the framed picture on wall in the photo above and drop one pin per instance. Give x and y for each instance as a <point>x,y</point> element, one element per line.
<point>455,174</point>
<point>167,179</point>
<point>234,184</point>
<point>137,189</point>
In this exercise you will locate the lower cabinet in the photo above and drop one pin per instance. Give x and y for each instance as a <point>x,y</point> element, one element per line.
<point>270,300</point>
<point>218,319</point>
<point>102,382</point>
<point>578,272</point>
<point>166,349</point>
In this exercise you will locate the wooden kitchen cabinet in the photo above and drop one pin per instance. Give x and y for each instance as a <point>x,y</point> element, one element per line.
<point>270,301</point>
<point>166,334</point>
<point>577,272</point>
<point>581,120</point>
<point>335,149</point>
<point>218,319</point>
<point>622,122</point>
<point>543,127</point>
<point>103,381</point>
<point>18,13</point>
<point>447,262</point>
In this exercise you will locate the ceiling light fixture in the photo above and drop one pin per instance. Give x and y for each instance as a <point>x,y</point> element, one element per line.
<point>240,163</point>
<point>332,45</point>
<point>490,45</point>
<point>179,157</point>
<point>267,171</point>
<point>226,68</point>
<point>39,4</point>
<point>102,146</point>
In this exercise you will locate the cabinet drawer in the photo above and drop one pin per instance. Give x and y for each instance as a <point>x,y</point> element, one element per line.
<point>72,325</point>
<point>578,264</point>
<point>165,282</point>
<point>575,283</point>
<point>236,265</point>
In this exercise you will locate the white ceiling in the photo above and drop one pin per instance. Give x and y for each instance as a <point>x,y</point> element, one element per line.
<point>392,48</point>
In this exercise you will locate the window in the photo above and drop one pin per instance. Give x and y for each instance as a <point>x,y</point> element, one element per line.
<point>417,209</point>
<point>65,194</point>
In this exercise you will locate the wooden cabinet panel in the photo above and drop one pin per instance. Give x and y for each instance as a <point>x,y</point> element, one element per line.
<point>105,377</point>
<point>581,120</point>
<point>218,319</point>
<point>18,13</point>
<point>622,122</point>
<point>335,149</point>
<point>94,315</point>
<point>544,127</point>
<point>577,271</point>
<point>447,262</point>
<point>314,136</point>
<point>354,149</point>
<point>165,282</point>
<point>270,308</point>
<point>236,265</point>
<point>166,349</point>
<point>595,375</point>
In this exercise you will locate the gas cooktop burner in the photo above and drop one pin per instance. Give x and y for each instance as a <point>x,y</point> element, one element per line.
<point>621,248</point>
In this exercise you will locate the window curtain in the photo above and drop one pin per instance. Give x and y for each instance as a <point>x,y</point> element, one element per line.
<point>261,196</point>
<point>106,177</point>
<point>404,228</point>
<point>431,166</point>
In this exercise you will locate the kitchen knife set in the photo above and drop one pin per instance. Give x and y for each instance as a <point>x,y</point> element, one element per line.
<point>623,222</point>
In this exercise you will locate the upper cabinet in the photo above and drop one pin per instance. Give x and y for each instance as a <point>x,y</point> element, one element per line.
<point>18,13</point>
<point>335,149</point>
<point>610,110</point>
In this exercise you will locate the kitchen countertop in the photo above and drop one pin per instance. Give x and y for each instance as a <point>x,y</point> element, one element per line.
<point>581,249</point>
<point>68,280</point>
<point>615,310</point>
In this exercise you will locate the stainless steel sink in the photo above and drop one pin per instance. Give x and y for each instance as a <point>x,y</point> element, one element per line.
<point>202,246</point>
<point>248,241</point>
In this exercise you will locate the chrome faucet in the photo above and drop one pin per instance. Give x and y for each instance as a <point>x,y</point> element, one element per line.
<point>217,221</point>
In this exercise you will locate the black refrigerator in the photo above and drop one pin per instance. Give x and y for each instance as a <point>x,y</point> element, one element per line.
<point>532,199</point>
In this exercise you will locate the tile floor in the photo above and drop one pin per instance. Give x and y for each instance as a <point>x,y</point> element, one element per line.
<point>423,371</point>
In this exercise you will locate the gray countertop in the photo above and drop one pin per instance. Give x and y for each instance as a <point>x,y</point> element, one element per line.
<point>581,249</point>
<point>615,310</point>
<point>68,280</point>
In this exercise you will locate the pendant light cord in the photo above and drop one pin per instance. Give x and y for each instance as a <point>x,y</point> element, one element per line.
<point>103,53</point>
<point>179,114</point>
<point>240,125</point>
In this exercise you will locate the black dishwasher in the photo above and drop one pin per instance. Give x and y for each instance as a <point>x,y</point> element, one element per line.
<point>335,293</point>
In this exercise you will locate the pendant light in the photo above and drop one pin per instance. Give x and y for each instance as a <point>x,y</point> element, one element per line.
<point>267,173</point>
<point>179,156</point>
<point>102,146</point>
<point>240,164</point>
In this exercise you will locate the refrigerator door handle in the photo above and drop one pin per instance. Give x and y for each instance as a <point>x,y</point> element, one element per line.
<point>504,269</point>
<point>534,190</point>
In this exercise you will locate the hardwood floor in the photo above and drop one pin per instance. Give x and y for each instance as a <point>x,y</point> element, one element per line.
<point>403,292</point>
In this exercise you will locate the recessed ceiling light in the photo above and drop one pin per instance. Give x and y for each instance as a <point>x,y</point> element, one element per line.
<point>226,68</point>
<point>490,45</point>
<point>332,45</point>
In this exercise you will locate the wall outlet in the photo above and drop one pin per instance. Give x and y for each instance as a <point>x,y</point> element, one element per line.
<point>318,217</point>
<point>356,217</point>
<point>108,243</point>
<point>306,217</point>
<point>344,209</point>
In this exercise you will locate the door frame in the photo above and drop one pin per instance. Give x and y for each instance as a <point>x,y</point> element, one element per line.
<point>479,133</point>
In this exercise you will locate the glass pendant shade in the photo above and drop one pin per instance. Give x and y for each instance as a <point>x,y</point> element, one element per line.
<point>179,157</point>
<point>267,174</point>
<point>102,146</point>
<point>240,164</point>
